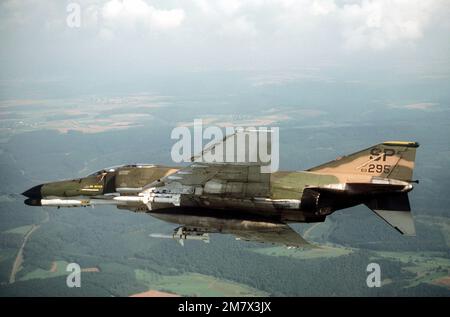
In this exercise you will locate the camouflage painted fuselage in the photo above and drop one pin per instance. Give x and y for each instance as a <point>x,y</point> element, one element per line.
<point>379,177</point>
<point>234,191</point>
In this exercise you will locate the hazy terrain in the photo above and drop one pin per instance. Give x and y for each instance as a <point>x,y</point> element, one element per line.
<point>56,130</point>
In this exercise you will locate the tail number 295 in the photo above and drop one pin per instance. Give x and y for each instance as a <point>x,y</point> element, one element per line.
<point>379,168</point>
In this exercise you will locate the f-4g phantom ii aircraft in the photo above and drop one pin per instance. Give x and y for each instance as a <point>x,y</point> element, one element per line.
<point>239,199</point>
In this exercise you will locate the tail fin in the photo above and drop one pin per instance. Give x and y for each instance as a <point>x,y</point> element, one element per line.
<point>395,210</point>
<point>392,159</point>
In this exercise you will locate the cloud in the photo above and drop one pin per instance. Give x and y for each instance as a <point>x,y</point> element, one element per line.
<point>378,24</point>
<point>224,34</point>
<point>120,17</point>
<point>365,24</point>
<point>138,14</point>
<point>238,27</point>
<point>225,7</point>
<point>417,106</point>
<point>356,24</point>
<point>323,7</point>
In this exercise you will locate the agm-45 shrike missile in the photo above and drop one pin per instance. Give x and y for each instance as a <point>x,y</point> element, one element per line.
<point>238,198</point>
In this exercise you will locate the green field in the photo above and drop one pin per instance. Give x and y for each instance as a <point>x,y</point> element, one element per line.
<point>441,222</point>
<point>194,284</point>
<point>5,198</point>
<point>323,251</point>
<point>42,274</point>
<point>427,266</point>
<point>20,230</point>
<point>318,232</point>
<point>7,254</point>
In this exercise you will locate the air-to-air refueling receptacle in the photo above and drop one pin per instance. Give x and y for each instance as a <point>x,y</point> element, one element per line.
<point>237,198</point>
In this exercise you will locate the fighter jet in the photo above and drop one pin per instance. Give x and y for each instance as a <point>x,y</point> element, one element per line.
<point>238,198</point>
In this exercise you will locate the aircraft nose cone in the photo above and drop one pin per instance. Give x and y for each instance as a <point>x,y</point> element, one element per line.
<point>33,192</point>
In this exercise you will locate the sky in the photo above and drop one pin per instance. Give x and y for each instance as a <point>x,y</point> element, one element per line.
<point>43,40</point>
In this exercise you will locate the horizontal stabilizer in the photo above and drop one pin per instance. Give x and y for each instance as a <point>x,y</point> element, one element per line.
<point>395,210</point>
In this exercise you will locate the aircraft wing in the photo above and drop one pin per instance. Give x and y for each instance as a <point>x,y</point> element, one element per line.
<point>283,235</point>
<point>214,178</point>
<point>236,171</point>
<point>249,146</point>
